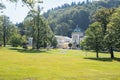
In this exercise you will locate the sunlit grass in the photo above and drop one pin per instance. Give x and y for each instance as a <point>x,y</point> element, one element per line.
<point>58,64</point>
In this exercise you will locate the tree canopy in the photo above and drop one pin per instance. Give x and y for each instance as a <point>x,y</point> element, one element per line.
<point>63,19</point>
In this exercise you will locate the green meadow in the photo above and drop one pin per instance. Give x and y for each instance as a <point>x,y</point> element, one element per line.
<point>58,64</point>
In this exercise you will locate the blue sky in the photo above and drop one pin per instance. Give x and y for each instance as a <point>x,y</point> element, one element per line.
<point>17,12</point>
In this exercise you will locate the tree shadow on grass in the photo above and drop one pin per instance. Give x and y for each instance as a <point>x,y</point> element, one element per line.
<point>104,59</point>
<point>28,50</point>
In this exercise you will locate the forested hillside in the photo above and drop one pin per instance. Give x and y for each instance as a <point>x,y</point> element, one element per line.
<point>64,19</point>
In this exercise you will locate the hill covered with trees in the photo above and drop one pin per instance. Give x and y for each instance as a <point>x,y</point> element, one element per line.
<point>63,19</point>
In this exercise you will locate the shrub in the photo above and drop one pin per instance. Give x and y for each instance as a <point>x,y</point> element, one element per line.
<point>70,45</point>
<point>25,45</point>
<point>16,40</point>
<point>0,43</point>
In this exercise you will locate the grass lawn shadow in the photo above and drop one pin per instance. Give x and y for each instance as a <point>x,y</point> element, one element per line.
<point>104,59</point>
<point>21,50</point>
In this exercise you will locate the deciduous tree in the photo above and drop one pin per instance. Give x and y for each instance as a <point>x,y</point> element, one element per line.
<point>94,37</point>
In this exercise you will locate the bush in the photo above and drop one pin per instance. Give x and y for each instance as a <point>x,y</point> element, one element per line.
<point>25,46</point>
<point>83,45</point>
<point>0,43</point>
<point>70,45</point>
<point>24,42</point>
<point>16,40</point>
<point>54,42</point>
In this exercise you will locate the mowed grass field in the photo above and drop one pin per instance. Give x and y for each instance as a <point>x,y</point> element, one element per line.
<point>58,64</point>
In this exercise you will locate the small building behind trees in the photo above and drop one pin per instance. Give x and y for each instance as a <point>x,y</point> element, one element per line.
<point>64,41</point>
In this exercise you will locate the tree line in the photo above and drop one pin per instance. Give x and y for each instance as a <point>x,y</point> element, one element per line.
<point>104,33</point>
<point>98,19</point>
<point>34,25</point>
<point>102,29</point>
<point>63,19</point>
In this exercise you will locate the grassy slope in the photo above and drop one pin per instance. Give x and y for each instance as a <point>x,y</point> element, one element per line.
<point>16,64</point>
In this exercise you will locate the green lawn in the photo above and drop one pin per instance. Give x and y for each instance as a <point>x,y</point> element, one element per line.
<point>18,64</point>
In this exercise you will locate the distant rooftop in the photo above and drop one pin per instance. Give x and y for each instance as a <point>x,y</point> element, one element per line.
<point>77,29</point>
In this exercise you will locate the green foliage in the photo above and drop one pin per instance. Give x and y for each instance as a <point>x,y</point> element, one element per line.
<point>16,40</point>
<point>38,26</point>
<point>1,43</point>
<point>54,42</point>
<point>6,29</point>
<point>102,16</point>
<point>24,42</point>
<point>108,31</point>
<point>70,45</point>
<point>1,33</point>
<point>24,39</point>
<point>113,30</point>
<point>64,19</point>
<point>84,46</point>
<point>45,33</point>
<point>94,37</point>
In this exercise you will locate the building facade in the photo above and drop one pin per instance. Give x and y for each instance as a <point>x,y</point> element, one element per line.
<point>63,41</point>
<point>77,36</point>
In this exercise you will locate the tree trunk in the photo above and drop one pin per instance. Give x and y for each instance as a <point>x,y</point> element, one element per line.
<point>4,32</point>
<point>105,27</point>
<point>111,52</point>
<point>38,39</point>
<point>34,34</point>
<point>4,39</point>
<point>97,54</point>
<point>97,51</point>
<point>97,48</point>
<point>38,28</point>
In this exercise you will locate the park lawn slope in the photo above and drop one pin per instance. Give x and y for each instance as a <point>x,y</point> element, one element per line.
<point>58,64</point>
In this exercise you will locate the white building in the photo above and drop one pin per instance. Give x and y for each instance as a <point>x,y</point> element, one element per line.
<point>77,36</point>
<point>30,41</point>
<point>63,41</point>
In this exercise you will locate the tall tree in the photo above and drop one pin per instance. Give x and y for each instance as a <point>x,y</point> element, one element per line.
<point>41,32</point>
<point>31,19</point>
<point>38,24</point>
<point>113,32</point>
<point>6,30</point>
<point>5,23</point>
<point>103,16</point>
<point>94,37</point>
